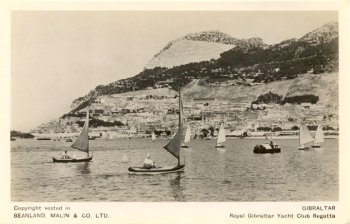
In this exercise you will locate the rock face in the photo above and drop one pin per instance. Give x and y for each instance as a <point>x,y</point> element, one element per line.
<point>324,34</point>
<point>196,47</point>
<point>185,51</point>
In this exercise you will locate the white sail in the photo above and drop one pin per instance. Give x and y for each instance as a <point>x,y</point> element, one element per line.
<point>319,135</point>
<point>188,134</point>
<point>304,135</point>
<point>153,136</point>
<point>221,135</point>
<point>82,142</point>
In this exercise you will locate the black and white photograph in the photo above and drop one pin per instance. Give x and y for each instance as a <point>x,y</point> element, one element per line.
<point>174,106</point>
<point>217,104</point>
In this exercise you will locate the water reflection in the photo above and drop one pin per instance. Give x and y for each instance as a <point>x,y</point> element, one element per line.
<point>84,168</point>
<point>176,188</point>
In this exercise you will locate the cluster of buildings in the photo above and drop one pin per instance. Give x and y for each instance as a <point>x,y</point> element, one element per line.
<point>140,115</point>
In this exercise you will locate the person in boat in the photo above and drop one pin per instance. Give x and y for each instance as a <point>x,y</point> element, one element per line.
<point>270,140</point>
<point>148,163</point>
<point>65,155</point>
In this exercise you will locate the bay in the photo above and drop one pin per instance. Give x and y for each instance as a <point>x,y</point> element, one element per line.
<point>210,175</point>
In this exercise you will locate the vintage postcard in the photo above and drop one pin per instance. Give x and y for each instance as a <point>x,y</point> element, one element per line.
<point>196,112</point>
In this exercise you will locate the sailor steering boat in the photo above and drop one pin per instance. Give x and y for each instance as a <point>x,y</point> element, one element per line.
<point>173,147</point>
<point>81,143</point>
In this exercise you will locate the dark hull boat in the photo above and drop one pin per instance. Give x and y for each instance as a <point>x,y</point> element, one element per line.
<point>219,146</point>
<point>267,148</point>
<point>316,146</point>
<point>157,170</point>
<point>173,147</point>
<point>71,160</point>
<point>81,143</point>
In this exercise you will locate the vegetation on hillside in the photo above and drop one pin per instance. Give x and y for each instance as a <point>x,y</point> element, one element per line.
<point>268,98</point>
<point>18,134</point>
<point>243,65</point>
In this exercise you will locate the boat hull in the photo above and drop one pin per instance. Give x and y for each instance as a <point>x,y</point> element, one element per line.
<point>152,171</point>
<point>71,160</point>
<point>303,148</point>
<point>184,147</point>
<point>219,146</point>
<point>265,148</point>
<point>316,146</point>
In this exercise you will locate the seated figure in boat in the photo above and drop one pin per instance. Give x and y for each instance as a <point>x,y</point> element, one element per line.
<point>65,156</point>
<point>270,142</point>
<point>148,163</point>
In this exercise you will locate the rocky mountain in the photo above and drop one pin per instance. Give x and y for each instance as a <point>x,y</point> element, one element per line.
<point>197,47</point>
<point>322,35</point>
<point>239,64</point>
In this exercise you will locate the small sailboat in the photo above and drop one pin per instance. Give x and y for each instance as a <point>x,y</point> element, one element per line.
<point>304,137</point>
<point>173,147</point>
<point>81,143</point>
<point>153,137</point>
<point>187,137</point>
<point>221,137</point>
<point>319,137</point>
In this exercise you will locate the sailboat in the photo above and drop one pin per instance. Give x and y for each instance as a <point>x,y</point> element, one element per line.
<point>173,147</point>
<point>81,143</point>
<point>304,137</point>
<point>221,137</point>
<point>187,137</point>
<point>318,137</point>
<point>153,137</point>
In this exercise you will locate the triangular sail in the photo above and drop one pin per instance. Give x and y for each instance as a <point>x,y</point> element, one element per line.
<point>153,136</point>
<point>82,142</point>
<point>175,144</point>
<point>221,135</point>
<point>188,134</point>
<point>319,135</point>
<point>304,135</point>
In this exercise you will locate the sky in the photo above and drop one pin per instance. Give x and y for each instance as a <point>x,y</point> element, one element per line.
<point>58,56</point>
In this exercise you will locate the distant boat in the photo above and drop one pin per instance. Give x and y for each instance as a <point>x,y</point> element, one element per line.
<point>43,138</point>
<point>153,137</point>
<point>304,137</point>
<point>187,137</point>
<point>319,137</point>
<point>221,137</point>
<point>173,147</point>
<point>13,139</point>
<point>69,140</point>
<point>81,143</point>
<point>267,147</point>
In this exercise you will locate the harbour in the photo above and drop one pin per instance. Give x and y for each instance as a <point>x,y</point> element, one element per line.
<point>237,174</point>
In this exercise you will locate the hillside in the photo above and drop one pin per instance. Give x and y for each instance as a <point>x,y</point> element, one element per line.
<point>194,47</point>
<point>325,86</point>
<point>186,51</point>
<point>247,69</point>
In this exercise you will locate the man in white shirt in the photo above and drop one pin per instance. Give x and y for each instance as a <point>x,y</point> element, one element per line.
<point>148,163</point>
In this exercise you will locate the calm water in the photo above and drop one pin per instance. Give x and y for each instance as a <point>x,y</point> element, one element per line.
<point>235,175</point>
